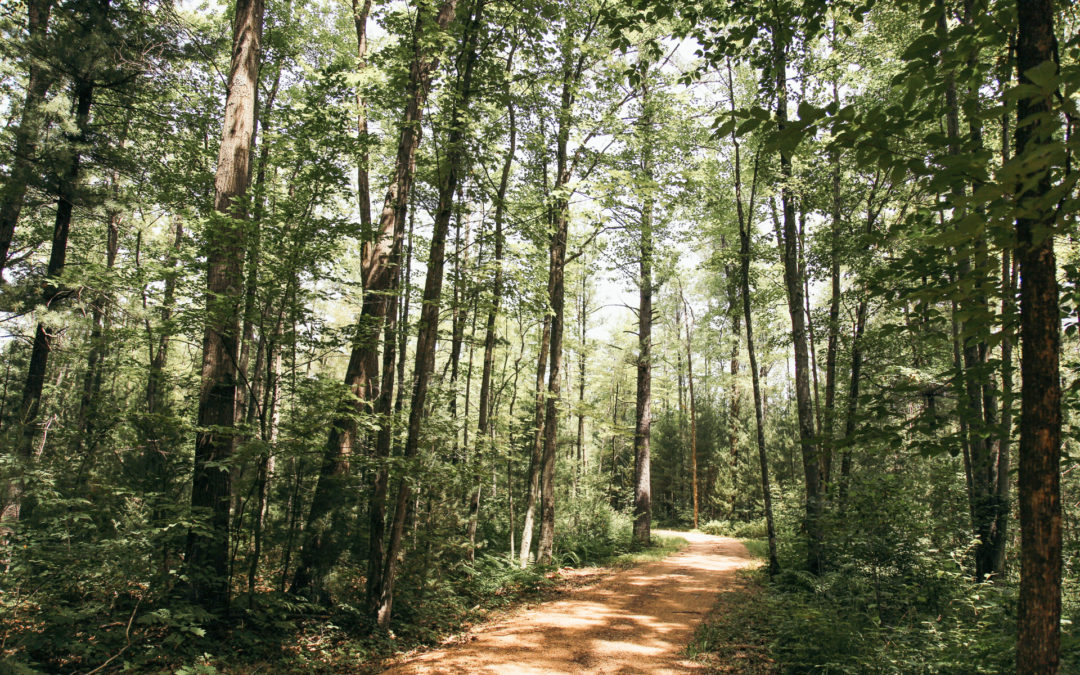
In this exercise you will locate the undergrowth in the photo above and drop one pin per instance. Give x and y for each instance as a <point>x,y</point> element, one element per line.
<point>283,634</point>
<point>914,611</point>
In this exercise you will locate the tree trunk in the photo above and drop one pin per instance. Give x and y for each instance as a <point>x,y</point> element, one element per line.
<point>999,542</point>
<point>582,337</point>
<point>853,399</point>
<point>28,132</point>
<point>1039,646</point>
<point>207,548</point>
<point>557,299</point>
<point>384,442</point>
<point>428,326</point>
<point>321,546</point>
<point>735,313</point>
<point>403,318</point>
<point>86,441</point>
<point>828,432</point>
<point>536,457</point>
<point>977,417</point>
<point>248,397</point>
<point>361,9</point>
<point>744,215</point>
<point>157,449</point>
<point>459,316</point>
<point>30,407</point>
<point>643,411</point>
<point>483,424</point>
<point>794,284</point>
<point>693,407</point>
<point>268,428</point>
<point>556,284</point>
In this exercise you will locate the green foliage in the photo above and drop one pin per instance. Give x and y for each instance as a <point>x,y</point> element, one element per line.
<point>917,224</point>
<point>755,529</point>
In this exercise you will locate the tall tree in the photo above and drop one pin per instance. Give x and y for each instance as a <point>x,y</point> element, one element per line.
<point>483,423</point>
<point>745,212</point>
<point>643,411</point>
<point>211,489</point>
<point>322,538</point>
<point>793,281</point>
<point>1039,646</point>
<point>428,325</point>
<point>693,406</point>
<point>28,133</point>
<point>67,183</point>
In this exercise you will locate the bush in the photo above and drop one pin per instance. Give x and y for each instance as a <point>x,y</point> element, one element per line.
<point>716,527</point>
<point>755,529</point>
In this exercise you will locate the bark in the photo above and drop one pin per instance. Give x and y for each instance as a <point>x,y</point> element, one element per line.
<point>207,548</point>
<point>1039,644</point>
<point>735,313</point>
<point>979,418</point>
<point>361,9</point>
<point>157,448</point>
<point>812,341</point>
<point>384,441</point>
<point>557,299</point>
<point>536,456</point>
<point>249,392</point>
<point>556,283</point>
<point>999,543</point>
<point>403,319</point>
<point>428,326</point>
<point>379,271</point>
<point>268,432</point>
<point>853,399</point>
<point>583,316</point>
<point>643,411</point>
<point>28,133</point>
<point>458,317</point>
<point>475,458</point>
<point>794,284</point>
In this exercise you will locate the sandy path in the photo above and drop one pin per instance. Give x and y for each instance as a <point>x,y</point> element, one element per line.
<point>633,621</point>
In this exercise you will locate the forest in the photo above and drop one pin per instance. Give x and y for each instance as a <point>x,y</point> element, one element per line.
<point>331,327</point>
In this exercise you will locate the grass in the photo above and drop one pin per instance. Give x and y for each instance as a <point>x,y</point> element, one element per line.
<point>735,636</point>
<point>660,548</point>
<point>759,548</point>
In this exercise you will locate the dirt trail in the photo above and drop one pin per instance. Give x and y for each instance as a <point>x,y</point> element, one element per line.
<point>633,621</point>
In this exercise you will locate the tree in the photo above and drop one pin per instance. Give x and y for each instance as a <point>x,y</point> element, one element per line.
<point>208,548</point>
<point>428,330</point>
<point>1039,646</point>
<point>29,129</point>
<point>643,411</point>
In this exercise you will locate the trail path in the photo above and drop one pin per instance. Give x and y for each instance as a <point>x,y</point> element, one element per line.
<point>633,621</point>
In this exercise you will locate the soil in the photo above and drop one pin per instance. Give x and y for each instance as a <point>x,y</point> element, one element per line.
<point>633,621</point>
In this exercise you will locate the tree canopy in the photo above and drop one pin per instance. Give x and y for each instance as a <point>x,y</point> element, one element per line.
<point>332,323</point>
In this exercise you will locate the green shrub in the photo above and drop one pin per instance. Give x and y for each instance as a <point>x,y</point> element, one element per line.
<point>754,529</point>
<point>716,527</point>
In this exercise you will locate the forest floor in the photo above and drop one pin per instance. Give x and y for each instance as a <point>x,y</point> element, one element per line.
<point>637,620</point>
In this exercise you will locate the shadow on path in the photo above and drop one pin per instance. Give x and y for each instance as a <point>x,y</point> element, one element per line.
<point>634,621</point>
